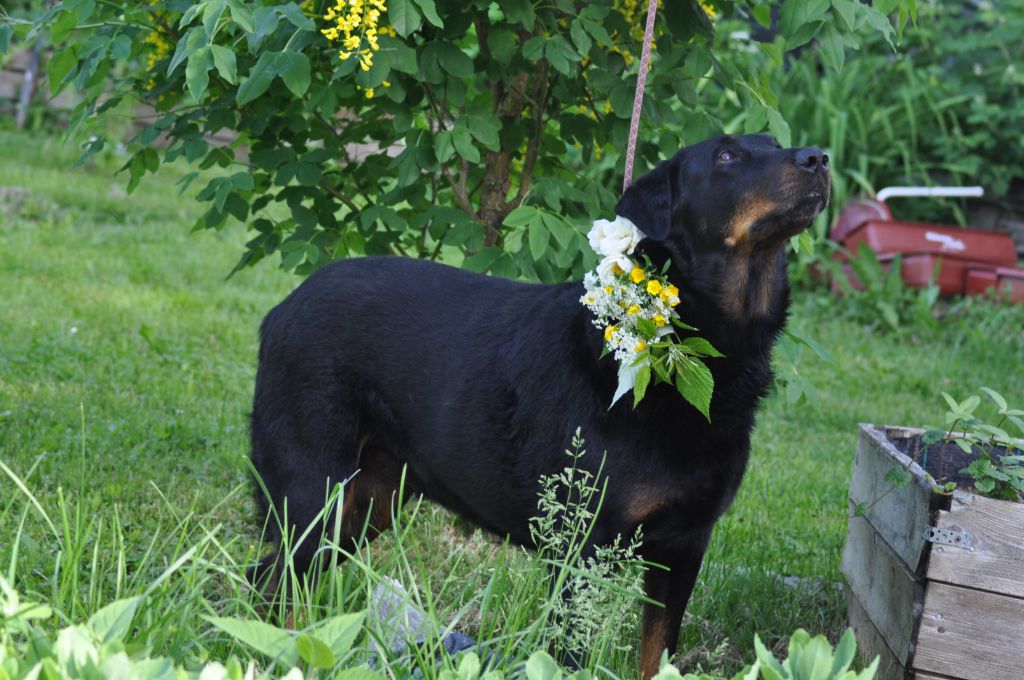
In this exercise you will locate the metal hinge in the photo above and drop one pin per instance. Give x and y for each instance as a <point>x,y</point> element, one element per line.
<point>957,539</point>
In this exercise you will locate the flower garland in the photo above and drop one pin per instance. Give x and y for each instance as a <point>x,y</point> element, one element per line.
<point>635,305</point>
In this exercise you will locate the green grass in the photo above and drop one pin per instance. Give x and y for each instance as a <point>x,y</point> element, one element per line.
<point>126,368</point>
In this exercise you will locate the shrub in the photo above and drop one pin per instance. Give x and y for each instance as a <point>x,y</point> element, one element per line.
<point>482,133</point>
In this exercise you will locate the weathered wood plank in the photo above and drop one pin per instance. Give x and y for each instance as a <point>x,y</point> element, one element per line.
<point>870,643</point>
<point>929,676</point>
<point>901,516</point>
<point>883,585</point>
<point>970,634</point>
<point>995,531</point>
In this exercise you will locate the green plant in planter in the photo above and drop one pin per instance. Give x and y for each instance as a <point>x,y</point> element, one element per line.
<point>998,469</point>
<point>810,658</point>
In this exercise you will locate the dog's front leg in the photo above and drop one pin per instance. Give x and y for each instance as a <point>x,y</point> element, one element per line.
<point>672,588</point>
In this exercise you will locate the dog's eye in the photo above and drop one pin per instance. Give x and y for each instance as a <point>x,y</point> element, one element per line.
<point>726,156</point>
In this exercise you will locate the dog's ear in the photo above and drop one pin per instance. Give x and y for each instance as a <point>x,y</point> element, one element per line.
<point>647,202</point>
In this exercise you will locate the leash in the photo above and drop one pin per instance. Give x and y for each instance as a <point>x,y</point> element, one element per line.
<point>638,98</point>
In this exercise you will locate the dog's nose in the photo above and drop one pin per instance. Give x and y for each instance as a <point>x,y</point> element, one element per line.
<point>812,159</point>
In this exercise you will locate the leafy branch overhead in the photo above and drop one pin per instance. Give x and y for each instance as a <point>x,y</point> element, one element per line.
<point>486,133</point>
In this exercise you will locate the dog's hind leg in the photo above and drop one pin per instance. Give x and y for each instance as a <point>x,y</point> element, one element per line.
<point>306,439</point>
<point>672,588</point>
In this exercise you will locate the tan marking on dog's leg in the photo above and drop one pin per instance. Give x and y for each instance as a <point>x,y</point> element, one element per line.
<point>652,640</point>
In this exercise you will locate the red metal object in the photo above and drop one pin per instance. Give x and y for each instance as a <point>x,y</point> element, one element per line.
<point>974,245</point>
<point>1004,281</point>
<point>923,246</point>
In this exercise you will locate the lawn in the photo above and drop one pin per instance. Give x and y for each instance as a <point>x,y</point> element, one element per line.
<point>126,368</point>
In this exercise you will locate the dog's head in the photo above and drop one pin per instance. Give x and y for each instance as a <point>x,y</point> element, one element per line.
<point>722,209</point>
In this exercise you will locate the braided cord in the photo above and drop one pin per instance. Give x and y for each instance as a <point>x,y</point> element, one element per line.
<point>638,98</point>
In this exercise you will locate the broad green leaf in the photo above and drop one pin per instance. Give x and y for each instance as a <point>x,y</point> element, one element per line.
<point>241,15</point>
<point>293,67</point>
<point>538,238</point>
<point>314,652</point>
<point>58,67</point>
<point>622,99</point>
<point>696,385</point>
<point>643,379</point>
<point>260,77</point>
<point>429,10</point>
<point>700,346</point>
<point>444,147</point>
<point>779,128</point>
<point>197,76</point>
<point>266,639</point>
<point>340,632</point>
<point>293,13</point>
<point>455,61</point>
<point>898,477</point>
<point>996,397</point>
<point>404,16</point>
<point>463,141</point>
<point>6,31</point>
<point>224,60</point>
<point>521,216</point>
<point>533,49</point>
<point>771,669</point>
<point>113,621</point>
<point>580,37</point>
<point>502,43</point>
<point>540,666</point>
<point>559,228</point>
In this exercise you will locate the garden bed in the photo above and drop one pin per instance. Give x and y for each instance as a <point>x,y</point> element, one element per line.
<point>935,585</point>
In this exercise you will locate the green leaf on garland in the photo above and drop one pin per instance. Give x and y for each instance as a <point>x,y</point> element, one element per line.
<point>643,379</point>
<point>696,384</point>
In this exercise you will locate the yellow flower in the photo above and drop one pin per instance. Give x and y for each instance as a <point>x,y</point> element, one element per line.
<point>641,346</point>
<point>637,275</point>
<point>673,302</point>
<point>653,286</point>
<point>616,269</point>
<point>659,320</point>
<point>608,289</point>
<point>369,93</point>
<point>672,290</point>
<point>633,310</point>
<point>609,332</point>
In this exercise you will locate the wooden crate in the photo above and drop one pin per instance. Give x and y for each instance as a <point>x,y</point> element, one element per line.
<point>932,609</point>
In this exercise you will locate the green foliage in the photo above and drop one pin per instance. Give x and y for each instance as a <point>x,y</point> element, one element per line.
<point>466,113</point>
<point>884,302</point>
<point>96,650</point>
<point>606,586</point>
<point>998,465</point>
<point>810,658</point>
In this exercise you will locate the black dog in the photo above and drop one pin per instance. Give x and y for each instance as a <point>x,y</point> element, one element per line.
<point>475,383</point>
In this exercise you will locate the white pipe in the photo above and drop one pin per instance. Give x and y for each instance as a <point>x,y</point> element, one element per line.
<point>929,191</point>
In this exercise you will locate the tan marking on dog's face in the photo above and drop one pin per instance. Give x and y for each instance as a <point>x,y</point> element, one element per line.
<point>746,215</point>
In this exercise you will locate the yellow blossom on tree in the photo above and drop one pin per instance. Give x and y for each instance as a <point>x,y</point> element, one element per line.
<point>355,23</point>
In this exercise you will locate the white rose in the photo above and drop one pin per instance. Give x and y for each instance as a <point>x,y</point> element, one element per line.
<point>614,238</point>
<point>606,268</point>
